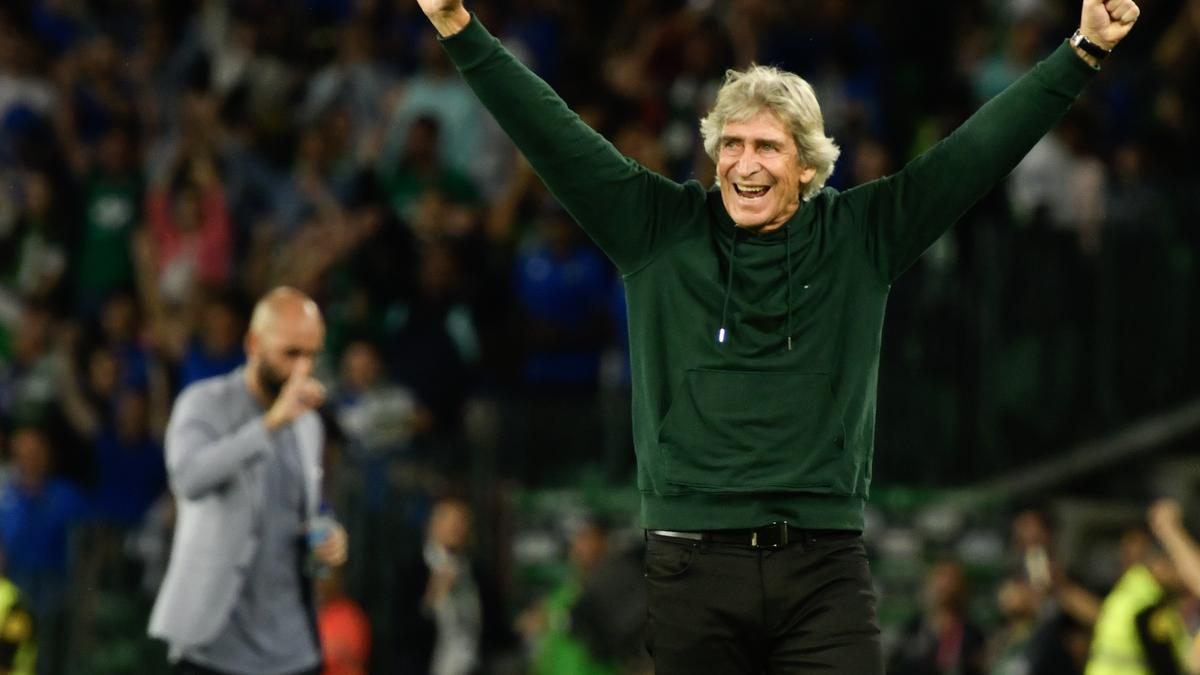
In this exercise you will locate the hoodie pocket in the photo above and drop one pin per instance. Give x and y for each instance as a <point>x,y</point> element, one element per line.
<point>739,431</point>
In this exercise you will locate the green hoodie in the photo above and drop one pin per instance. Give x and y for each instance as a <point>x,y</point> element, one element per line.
<point>776,422</point>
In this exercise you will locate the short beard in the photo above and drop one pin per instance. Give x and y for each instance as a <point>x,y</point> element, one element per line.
<point>269,381</point>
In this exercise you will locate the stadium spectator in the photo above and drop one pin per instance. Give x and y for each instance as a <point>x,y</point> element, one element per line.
<point>121,330</point>
<point>1008,648</point>
<point>547,627</point>
<point>434,92</point>
<point>1166,521</point>
<point>22,86</point>
<point>449,617</point>
<point>344,628</point>
<point>42,228</point>
<point>1066,610</point>
<point>112,207</point>
<point>1141,628</point>
<point>212,347</point>
<point>352,85</point>
<point>944,640</point>
<point>189,222</point>
<point>130,475</point>
<point>434,344</point>
<point>18,638</point>
<point>114,416</point>
<point>377,417</point>
<point>561,287</point>
<point>38,513</point>
<point>421,171</point>
<point>28,380</point>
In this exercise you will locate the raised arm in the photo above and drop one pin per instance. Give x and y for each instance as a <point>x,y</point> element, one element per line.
<point>1166,521</point>
<point>625,208</point>
<point>200,458</point>
<point>905,213</point>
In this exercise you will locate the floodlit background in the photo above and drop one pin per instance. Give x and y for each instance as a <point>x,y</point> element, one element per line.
<point>164,162</point>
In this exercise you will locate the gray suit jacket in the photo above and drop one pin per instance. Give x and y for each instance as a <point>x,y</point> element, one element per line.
<point>215,445</point>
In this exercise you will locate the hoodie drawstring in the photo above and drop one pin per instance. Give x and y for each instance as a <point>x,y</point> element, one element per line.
<point>788,247</point>
<point>722,333</point>
<point>728,285</point>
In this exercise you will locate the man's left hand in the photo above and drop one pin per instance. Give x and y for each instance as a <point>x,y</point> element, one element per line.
<point>1107,23</point>
<point>1165,518</point>
<point>332,551</point>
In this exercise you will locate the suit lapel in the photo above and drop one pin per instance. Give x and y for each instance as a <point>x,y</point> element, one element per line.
<point>309,439</point>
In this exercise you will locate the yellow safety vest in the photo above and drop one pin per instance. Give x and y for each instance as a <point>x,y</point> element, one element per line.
<point>17,628</point>
<point>1116,647</point>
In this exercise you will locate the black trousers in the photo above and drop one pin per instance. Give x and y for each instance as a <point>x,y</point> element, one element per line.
<point>720,609</point>
<point>188,668</point>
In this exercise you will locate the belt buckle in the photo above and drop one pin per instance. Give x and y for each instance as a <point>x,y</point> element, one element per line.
<point>774,535</point>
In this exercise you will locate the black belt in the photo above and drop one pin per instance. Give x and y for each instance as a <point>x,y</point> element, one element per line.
<point>775,535</point>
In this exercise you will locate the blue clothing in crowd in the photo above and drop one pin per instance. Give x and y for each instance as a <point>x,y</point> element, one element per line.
<point>34,529</point>
<point>130,477</point>
<point>198,364</point>
<point>567,292</point>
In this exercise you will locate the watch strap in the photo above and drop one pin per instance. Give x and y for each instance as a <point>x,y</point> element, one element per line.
<point>1091,48</point>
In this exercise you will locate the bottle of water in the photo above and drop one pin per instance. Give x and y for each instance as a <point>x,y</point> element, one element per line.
<point>320,528</point>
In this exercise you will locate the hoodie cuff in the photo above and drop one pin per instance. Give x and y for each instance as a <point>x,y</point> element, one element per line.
<point>470,46</point>
<point>1064,71</point>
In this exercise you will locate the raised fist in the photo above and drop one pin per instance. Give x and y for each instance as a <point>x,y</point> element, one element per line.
<point>447,16</point>
<point>302,392</point>
<point>435,7</point>
<point>1104,23</point>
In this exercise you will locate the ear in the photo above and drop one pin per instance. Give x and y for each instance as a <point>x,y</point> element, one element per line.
<point>807,174</point>
<point>250,343</point>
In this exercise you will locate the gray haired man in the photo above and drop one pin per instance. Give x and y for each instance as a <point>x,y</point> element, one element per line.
<point>755,319</point>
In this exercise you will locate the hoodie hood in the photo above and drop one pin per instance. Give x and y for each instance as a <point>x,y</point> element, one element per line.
<point>732,235</point>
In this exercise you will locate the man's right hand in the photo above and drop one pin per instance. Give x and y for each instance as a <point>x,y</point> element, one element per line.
<point>447,16</point>
<point>301,393</point>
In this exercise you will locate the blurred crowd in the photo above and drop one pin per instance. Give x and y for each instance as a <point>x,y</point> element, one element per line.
<point>165,162</point>
<point>1141,618</point>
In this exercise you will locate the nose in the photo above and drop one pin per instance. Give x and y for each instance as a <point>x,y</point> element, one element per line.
<point>747,164</point>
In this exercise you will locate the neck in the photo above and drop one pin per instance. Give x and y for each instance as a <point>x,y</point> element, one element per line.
<point>771,227</point>
<point>776,224</point>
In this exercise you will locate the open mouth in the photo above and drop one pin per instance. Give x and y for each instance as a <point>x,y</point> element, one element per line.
<point>751,191</point>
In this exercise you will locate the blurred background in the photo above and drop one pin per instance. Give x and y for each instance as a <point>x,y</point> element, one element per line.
<point>165,162</point>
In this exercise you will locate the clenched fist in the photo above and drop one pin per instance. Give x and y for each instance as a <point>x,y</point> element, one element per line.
<point>301,393</point>
<point>447,16</point>
<point>1104,23</point>
<point>332,550</point>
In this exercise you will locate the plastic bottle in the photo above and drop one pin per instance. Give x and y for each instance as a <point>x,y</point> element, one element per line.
<point>320,528</point>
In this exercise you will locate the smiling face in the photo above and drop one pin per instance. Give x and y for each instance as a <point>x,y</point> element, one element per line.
<point>760,170</point>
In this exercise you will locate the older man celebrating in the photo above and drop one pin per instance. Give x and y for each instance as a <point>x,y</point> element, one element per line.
<point>755,316</point>
<point>244,460</point>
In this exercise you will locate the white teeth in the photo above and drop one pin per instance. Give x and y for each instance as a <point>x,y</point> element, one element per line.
<point>751,191</point>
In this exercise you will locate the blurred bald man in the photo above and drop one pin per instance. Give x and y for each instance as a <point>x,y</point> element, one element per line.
<point>244,461</point>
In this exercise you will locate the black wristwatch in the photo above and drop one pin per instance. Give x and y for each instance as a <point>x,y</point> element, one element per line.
<point>1091,48</point>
